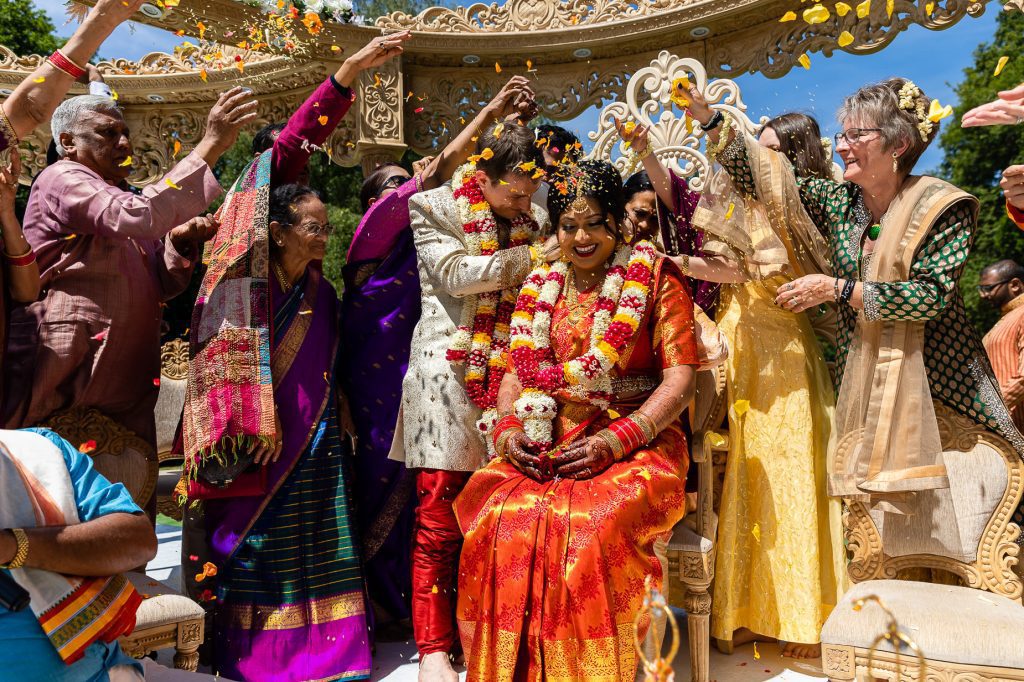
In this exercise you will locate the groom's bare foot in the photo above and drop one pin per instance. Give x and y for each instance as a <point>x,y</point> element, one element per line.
<point>436,667</point>
<point>795,650</point>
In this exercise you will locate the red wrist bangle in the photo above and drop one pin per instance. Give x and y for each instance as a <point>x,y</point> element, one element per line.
<point>629,434</point>
<point>504,424</point>
<point>22,260</point>
<point>59,61</point>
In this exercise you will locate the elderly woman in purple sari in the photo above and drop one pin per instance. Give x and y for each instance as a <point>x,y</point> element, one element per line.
<point>271,546</point>
<point>380,308</point>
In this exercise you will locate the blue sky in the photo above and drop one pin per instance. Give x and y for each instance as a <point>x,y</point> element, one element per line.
<point>934,60</point>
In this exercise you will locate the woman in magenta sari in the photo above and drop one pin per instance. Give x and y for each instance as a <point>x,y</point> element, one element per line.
<point>380,308</point>
<point>277,563</point>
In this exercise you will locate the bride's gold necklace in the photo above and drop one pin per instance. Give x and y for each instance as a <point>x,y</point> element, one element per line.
<point>576,310</point>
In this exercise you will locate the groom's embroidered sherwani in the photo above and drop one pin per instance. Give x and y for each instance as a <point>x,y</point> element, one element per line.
<point>439,421</point>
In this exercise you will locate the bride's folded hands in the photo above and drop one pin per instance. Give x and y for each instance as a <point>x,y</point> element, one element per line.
<point>583,458</point>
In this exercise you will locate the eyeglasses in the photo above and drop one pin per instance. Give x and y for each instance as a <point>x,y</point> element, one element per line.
<point>986,289</point>
<point>317,230</point>
<point>394,182</point>
<point>854,135</point>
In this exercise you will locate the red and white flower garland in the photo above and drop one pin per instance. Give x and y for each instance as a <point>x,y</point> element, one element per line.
<point>620,307</point>
<point>482,336</point>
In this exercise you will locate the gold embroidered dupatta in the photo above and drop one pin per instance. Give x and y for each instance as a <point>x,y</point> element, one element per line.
<point>886,440</point>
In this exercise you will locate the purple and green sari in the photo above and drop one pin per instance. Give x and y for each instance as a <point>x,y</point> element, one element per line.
<point>290,603</point>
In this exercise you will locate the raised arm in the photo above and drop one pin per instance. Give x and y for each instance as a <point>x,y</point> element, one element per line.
<point>661,177</point>
<point>457,273</point>
<point>317,117</point>
<point>516,94</point>
<point>20,261</point>
<point>33,101</point>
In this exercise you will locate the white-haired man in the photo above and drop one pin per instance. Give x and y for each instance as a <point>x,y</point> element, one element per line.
<point>108,258</point>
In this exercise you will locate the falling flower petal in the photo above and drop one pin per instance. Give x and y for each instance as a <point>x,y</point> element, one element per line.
<point>756,532</point>
<point>87,447</point>
<point>113,94</point>
<point>842,9</point>
<point>323,120</point>
<point>170,183</point>
<point>929,8</point>
<point>70,237</point>
<point>1001,65</point>
<point>497,67</point>
<point>180,32</point>
<point>757,655</point>
<point>156,382</point>
<point>335,48</point>
<point>805,61</point>
<point>127,162</point>
<point>845,38</point>
<point>102,335</point>
<point>890,5</point>
<point>434,590</point>
<point>193,557</point>
<point>487,154</point>
<point>788,16</point>
<point>527,166</point>
<point>177,147</point>
<point>39,80</point>
<point>418,110</point>
<point>741,407</point>
<point>202,30</point>
<point>613,414</point>
<point>498,130</point>
<point>818,14</point>
<point>864,9</point>
<point>728,213</point>
<point>529,65</point>
<point>203,75</point>
<point>937,112</point>
<point>376,80</point>
<point>717,440</point>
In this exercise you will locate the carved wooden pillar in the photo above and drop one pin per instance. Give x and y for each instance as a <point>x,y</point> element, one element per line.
<point>381,124</point>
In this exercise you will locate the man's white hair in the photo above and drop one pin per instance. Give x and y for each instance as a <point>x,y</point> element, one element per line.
<point>65,118</point>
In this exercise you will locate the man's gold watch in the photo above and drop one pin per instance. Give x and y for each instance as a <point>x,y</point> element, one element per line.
<point>22,551</point>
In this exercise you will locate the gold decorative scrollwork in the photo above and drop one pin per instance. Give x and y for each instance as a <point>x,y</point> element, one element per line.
<point>174,359</point>
<point>775,50</point>
<point>526,15</point>
<point>647,102</point>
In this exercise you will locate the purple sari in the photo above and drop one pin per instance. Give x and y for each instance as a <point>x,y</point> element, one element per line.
<point>380,308</point>
<point>681,237</point>
<point>290,603</point>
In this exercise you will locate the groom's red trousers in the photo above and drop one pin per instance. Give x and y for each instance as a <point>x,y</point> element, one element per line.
<point>435,559</point>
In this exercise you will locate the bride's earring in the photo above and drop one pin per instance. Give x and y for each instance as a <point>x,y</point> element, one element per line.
<point>895,162</point>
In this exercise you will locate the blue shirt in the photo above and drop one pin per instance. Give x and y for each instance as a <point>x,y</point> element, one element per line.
<point>26,653</point>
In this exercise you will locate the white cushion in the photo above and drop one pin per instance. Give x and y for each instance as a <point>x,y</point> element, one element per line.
<point>161,604</point>
<point>949,623</point>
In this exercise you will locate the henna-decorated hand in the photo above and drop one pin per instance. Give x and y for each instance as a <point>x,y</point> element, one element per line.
<point>520,450</point>
<point>583,458</point>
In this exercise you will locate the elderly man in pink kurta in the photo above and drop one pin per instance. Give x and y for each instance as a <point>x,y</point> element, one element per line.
<point>108,259</point>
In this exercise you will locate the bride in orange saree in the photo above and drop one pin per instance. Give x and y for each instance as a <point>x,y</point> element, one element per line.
<point>591,455</point>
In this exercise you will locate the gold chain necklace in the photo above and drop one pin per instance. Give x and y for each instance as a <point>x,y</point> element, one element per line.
<point>281,278</point>
<point>576,310</point>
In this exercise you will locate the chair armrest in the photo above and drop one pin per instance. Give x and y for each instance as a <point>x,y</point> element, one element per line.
<point>705,443</point>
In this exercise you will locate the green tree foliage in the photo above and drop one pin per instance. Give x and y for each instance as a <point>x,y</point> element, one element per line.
<point>25,30</point>
<point>975,158</point>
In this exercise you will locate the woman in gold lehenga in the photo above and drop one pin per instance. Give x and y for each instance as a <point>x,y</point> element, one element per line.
<point>558,546</point>
<point>780,562</point>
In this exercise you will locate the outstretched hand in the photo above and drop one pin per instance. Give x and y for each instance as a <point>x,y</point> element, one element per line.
<point>379,50</point>
<point>9,183</point>
<point>115,11</point>
<point>1008,109</point>
<point>513,98</point>
<point>699,108</point>
<point>636,136</point>
<point>806,292</point>
<point>1013,186</point>
<point>234,109</point>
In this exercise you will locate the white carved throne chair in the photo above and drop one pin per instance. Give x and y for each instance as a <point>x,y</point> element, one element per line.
<point>965,626</point>
<point>691,550</point>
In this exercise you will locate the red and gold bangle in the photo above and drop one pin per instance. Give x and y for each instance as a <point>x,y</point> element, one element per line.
<point>24,260</point>
<point>61,62</point>
<point>505,424</point>
<point>616,446</point>
<point>646,425</point>
<point>629,434</point>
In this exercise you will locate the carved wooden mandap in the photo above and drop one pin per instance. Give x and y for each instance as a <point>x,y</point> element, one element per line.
<point>582,53</point>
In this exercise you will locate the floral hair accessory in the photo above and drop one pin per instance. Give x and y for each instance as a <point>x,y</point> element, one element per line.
<point>911,100</point>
